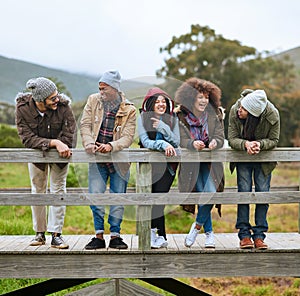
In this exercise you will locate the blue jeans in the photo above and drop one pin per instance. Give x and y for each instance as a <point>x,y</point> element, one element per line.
<point>98,177</point>
<point>245,173</point>
<point>205,183</point>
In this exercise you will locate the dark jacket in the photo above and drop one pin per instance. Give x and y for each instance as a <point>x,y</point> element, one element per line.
<point>267,132</point>
<point>188,172</point>
<point>37,131</point>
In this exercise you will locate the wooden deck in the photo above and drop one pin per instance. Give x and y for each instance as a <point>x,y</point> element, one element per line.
<point>281,259</point>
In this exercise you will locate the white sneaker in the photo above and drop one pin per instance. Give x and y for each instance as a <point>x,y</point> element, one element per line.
<point>153,237</point>
<point>160,242</point>
<point>209,240</point>
<point>191,237</point>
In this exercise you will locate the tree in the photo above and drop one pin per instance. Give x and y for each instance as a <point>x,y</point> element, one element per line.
<point>229,64</point>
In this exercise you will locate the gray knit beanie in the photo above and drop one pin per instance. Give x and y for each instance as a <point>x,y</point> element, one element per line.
<point>255,102</point>
<point>112,78</point>
<point>41,88</point>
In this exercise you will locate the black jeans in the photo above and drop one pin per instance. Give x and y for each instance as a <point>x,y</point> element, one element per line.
<point>163,180</point>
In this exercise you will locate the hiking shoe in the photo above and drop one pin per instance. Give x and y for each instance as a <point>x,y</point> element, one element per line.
<point>153,237</point>
<point>191,237</point>
<point>160,242</point>
<point>95,243</point>
<point>58,242</point>
<point>246,243</point>
<point>209,240</point>
<point>39,239</point>
<point>259,244</point>
<point>117,243</point>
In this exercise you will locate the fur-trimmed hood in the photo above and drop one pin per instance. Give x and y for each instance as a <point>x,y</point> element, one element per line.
<point>155,91</point>
<point>24,97</point>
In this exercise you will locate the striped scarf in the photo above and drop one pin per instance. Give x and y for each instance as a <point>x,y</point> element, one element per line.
<point>105,134</point>
<point>198,126</point>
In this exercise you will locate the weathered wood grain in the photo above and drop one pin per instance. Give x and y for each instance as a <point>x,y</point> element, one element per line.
<point>148,199</point>
<point>281,259</point>
<point>144,155</point>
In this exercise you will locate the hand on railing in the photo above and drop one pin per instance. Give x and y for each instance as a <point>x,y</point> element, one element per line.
<point>63,149</point>
<point>253,147</point>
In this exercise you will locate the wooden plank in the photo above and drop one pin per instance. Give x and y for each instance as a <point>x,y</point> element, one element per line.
<point>227,241</point>
<point>286,241</point>
<point>179,239</point>
<point>83,190</point>
<point>107,288</point>
<point>134,243</point>
<point>82,241</point>
<point>127,288</point>
<point>114,287</point>
<point>6,241</point>
<point>149,264</point>
<point>144,185</point>
<point>146,156</point>
<point>148,199</point>
<point>282,259</point>
<point>171,243</point>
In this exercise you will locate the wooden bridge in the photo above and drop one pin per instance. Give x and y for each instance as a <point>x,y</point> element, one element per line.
<point>158,267</point>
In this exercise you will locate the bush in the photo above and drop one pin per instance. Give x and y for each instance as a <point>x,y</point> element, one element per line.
<point>9,137</point>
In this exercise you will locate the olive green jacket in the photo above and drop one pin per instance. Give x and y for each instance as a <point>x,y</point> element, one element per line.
<point>267,132</point>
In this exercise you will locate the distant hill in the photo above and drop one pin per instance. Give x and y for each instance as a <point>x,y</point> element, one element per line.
<point>15,73</point>
<point>294,55</point>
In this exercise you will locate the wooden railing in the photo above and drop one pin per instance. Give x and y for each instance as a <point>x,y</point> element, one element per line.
<point>143,198</point>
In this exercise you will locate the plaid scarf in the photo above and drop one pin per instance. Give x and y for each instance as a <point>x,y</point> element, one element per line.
<point>105,134</point>
<point>198,126</point>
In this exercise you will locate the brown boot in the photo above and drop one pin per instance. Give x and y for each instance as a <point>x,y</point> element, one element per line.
<point>259,244</point>
<point>246,243</point>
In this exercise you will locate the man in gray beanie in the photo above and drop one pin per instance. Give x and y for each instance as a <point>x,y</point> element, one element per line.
<point>45,120</point>
<point>254,125</point>
<point>108,125</point>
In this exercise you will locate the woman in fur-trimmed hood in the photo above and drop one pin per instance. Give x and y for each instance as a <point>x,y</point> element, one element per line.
<point>158,130</point>
<point>201,126</point>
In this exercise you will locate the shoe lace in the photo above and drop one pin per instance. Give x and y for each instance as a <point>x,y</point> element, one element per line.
<point>58,239</point>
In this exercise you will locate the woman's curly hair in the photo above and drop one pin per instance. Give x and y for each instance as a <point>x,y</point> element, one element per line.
<point>186,94</point>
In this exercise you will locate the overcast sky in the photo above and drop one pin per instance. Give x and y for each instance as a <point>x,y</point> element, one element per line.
<point>92,36</point>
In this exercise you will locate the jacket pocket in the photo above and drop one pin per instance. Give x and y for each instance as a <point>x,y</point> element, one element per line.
<point>34,128</point>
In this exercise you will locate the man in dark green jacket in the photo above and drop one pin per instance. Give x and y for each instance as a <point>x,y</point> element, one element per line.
<point>254,125</point>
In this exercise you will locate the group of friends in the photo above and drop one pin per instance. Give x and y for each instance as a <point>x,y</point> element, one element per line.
<point>192,120</point>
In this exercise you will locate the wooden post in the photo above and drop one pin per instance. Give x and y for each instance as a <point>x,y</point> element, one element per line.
<point>143,184</point>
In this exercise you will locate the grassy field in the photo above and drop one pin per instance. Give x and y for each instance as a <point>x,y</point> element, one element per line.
<point>281,218</point>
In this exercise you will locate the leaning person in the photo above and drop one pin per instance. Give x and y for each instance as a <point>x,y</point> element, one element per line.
<point>254,125</point>
<point>201,126</point>
<point>108,125</point>
<point>45,120</point>
<point>158,130</point>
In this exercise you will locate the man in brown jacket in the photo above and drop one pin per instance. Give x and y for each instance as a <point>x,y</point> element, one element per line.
<point>108,125</point>
<point>45,120</point>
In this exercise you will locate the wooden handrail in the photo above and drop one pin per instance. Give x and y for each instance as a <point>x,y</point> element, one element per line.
<point>143,155</point>
<point>143,197</point>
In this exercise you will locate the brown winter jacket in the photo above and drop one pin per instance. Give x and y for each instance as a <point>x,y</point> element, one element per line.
<point>36,131</point>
